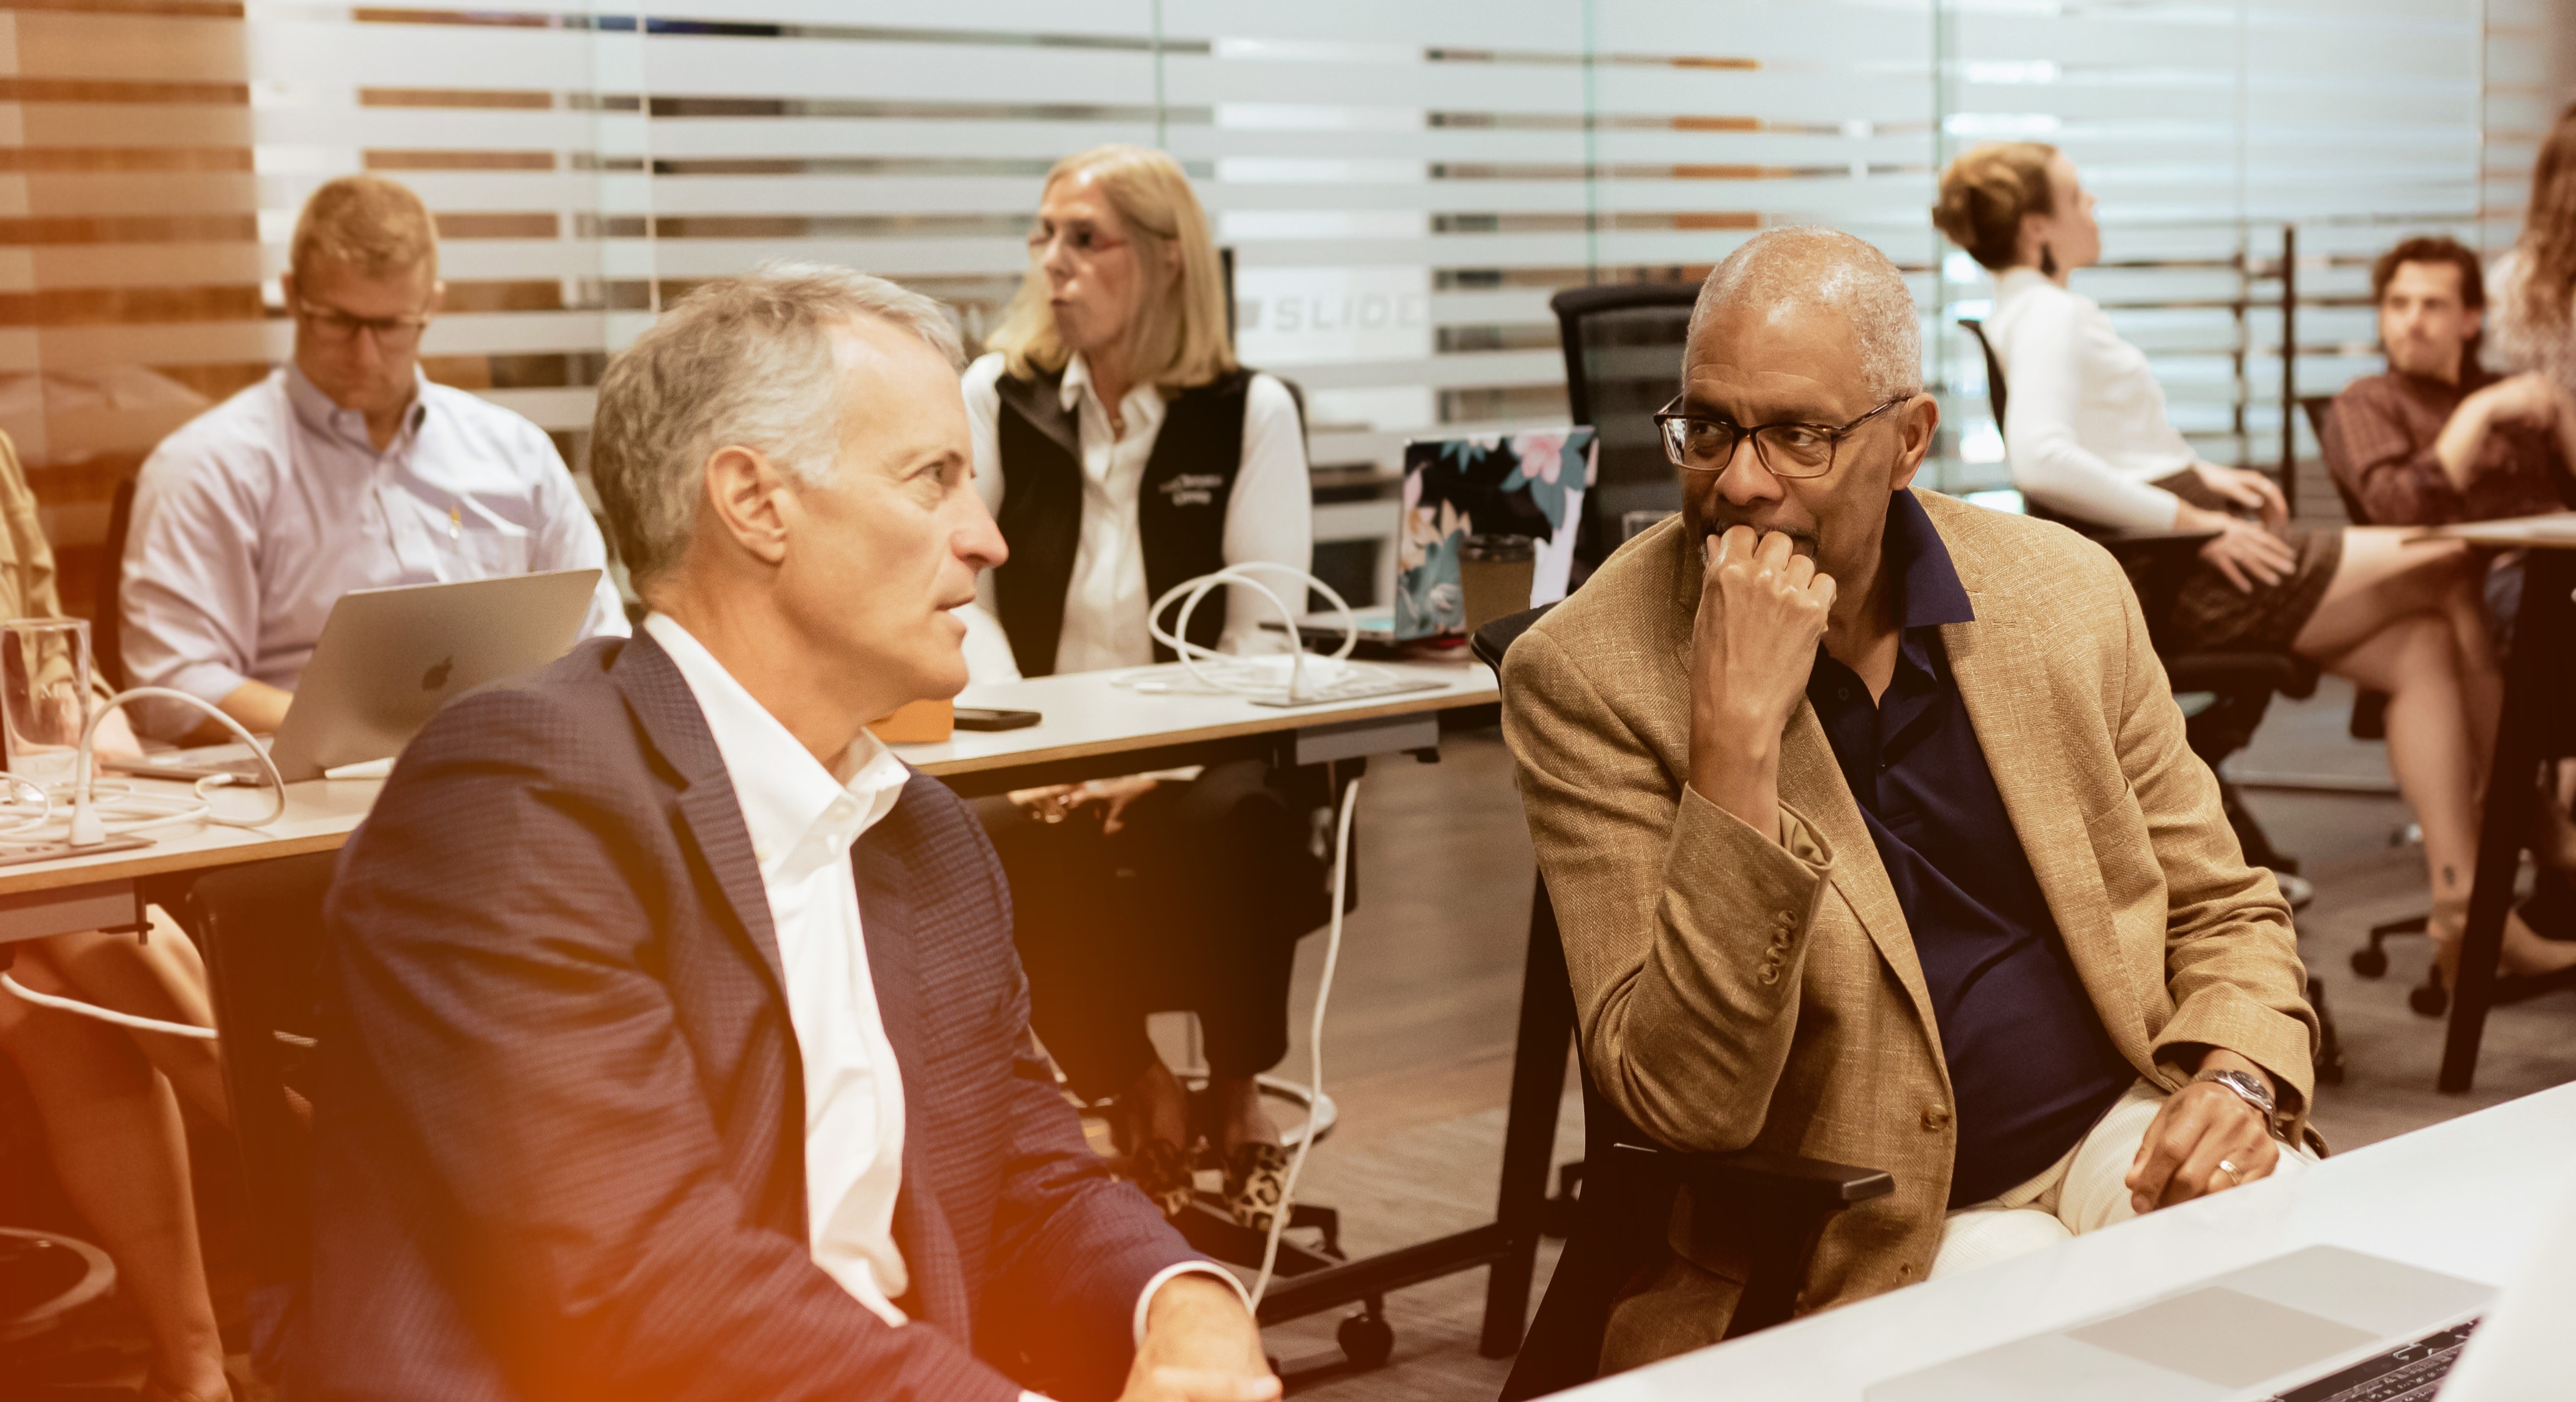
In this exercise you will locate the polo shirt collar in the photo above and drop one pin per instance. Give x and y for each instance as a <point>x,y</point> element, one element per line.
<point>1912,549</point>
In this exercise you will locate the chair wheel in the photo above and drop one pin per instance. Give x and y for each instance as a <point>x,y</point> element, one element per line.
<point>1366,1339</point>
<point>2430,1000</point>
<point>2371,962</point>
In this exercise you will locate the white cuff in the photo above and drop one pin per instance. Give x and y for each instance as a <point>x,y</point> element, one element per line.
<point>1145,1297</point>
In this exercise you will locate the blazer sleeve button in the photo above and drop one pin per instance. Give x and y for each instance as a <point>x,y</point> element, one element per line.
<point>1936,1118</point>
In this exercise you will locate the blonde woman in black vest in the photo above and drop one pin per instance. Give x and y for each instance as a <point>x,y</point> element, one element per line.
<point>1124,451</point>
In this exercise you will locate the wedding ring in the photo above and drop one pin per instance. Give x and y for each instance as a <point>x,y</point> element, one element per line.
<point>2235,1176</point>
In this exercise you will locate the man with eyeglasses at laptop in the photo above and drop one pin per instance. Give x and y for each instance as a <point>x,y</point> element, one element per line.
<point>345,469</point>
<point>1874,836</point>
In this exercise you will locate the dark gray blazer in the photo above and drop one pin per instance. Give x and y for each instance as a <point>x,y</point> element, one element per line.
<point>559,1123</point>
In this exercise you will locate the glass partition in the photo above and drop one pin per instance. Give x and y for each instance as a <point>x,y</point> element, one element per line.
<point>1401,187</point>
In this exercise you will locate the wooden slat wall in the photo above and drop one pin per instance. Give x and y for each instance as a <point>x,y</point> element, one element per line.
<point>129,245</point>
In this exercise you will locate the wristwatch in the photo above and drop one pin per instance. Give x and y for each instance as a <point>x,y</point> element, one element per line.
<point>2252,1090</point>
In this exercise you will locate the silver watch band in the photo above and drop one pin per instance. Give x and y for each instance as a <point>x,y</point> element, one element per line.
<point>2250,1091</point>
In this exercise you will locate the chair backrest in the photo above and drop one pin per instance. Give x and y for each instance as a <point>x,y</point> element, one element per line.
<point>1995,391</point>
<point>2320,411</point>
<point>107,621</point>
<point>1496,638</point>
<point>261,926</point>
<point>1623,361</point>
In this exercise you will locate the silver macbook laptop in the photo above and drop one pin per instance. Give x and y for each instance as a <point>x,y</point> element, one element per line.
<point>2318,1325</point>
<point>388,659</point>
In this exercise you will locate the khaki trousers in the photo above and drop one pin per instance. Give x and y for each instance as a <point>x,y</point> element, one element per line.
<point>2083,1192</point>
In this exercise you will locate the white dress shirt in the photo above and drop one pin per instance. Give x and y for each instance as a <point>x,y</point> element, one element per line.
<point>1269,516</point>
<point>255,517</point>
<point>803,820</point>
<point>2085,423</point>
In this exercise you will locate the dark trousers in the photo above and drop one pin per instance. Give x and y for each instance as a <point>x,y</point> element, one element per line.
<point>1195,905</point>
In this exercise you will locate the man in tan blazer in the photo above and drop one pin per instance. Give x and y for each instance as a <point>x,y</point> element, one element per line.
<point>1873,833</point>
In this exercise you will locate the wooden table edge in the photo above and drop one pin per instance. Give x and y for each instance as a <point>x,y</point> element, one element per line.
<point>146,863</point>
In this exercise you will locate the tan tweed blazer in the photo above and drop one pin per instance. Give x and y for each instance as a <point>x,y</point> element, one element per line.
<point>1730,993</point>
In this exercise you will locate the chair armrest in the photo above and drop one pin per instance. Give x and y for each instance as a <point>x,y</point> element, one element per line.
<point>1774,1207</point>
<point>1808,1183</point>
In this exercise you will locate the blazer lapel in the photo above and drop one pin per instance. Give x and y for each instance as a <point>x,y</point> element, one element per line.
<point>2001,675</point>
<point>886,916</point>
<point>668,710</point>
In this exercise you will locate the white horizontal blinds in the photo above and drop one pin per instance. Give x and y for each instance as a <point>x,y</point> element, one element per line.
<point>1403,185</point>
<point>1718,120</point>
<point>128,254</point>
<point>499,117</point>
<point>2206,130</point>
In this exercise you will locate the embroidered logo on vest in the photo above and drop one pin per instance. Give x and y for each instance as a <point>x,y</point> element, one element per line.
<point>1192,488</point>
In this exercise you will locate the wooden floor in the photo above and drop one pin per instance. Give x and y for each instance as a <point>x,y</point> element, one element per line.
<point>1419,1031</point>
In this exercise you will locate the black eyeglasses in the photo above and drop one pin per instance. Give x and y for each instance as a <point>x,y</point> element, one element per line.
<point>1697,444</point>
<point>335,327</point>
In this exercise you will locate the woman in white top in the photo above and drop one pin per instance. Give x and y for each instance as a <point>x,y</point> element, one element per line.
<point>1123,452</point>
<point>2088,439</point>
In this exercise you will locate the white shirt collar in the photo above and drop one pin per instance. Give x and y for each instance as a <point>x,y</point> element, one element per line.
<point>1077,383</point>
<point>322,414</point>
<point>799,814</point>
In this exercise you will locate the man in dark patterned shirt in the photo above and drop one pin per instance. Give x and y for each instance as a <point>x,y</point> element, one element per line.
<point>2438,438</point>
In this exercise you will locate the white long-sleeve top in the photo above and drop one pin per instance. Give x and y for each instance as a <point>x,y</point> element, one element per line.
<point>1269,517</point>
<point>2084,421</point>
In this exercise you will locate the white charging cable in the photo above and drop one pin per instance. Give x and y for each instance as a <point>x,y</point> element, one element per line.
<point>1314,1043</point>
<point>128,811</point>
<point>119,809</point>
<point>1304,676</point>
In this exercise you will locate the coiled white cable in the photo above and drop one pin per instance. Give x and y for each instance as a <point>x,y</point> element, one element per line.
<point>1314,1041</point>
<point>88,826</point>
<point>1307,676</point>
<point>127,810</point>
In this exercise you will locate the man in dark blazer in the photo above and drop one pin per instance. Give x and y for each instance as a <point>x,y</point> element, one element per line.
<point>674,1042</point>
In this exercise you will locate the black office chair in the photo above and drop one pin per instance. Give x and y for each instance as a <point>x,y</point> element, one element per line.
<point>1623,358</point>
<point>1628,1184</point>
<point>260,926</point>
<point>2238,687</point>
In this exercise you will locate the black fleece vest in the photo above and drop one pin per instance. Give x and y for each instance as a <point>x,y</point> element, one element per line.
<point>1180,506</point>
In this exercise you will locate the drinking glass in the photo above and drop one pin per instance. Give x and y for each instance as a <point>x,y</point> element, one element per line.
<point>44,695</point>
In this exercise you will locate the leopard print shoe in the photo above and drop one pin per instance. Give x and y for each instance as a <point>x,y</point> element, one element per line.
<point>1256,1181</point>
<point>1161,1171</point>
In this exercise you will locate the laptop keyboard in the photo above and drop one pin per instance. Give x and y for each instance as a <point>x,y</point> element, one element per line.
<point>2408,1373</point>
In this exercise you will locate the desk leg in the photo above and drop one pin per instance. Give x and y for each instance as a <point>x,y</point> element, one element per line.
<point>2532,685</point>
<point>1529,1134</point>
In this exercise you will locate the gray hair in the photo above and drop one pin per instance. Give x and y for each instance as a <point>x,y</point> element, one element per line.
<point>742,361</point>
<point>1829,268</point>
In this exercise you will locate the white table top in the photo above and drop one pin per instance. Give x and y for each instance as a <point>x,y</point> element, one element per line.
<point>1086,716</point>
<point>2554,530</point>
<point>2467,1198</point>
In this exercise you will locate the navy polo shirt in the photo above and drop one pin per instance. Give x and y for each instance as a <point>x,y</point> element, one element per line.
<point>2030,1064</point>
